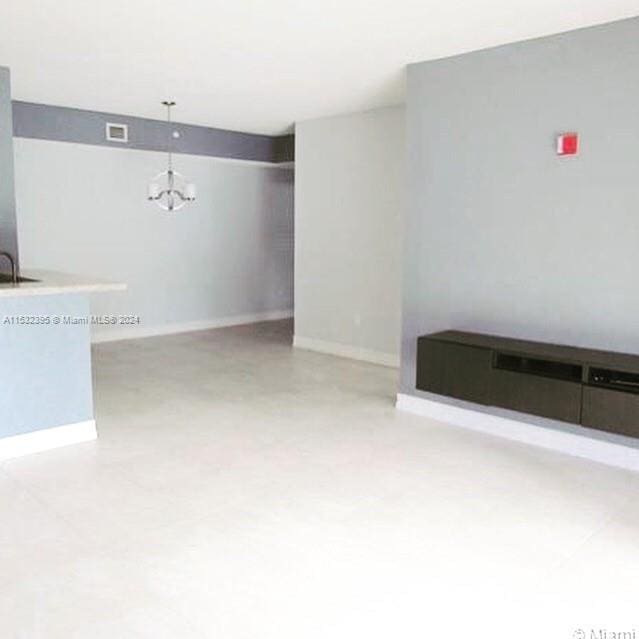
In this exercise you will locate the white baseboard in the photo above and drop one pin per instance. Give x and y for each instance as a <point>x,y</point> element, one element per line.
<point>47,439</point>
<point>115,334</point>
<point>343,350</point>
<point>604,452</point>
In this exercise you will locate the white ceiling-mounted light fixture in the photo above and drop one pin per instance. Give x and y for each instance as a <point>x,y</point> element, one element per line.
<point>170,190</point>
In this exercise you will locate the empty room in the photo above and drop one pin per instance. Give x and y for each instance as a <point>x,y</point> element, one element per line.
<point>319,320</point>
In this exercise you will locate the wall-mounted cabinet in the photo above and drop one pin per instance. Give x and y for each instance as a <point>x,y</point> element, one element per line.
<point>597,389</point>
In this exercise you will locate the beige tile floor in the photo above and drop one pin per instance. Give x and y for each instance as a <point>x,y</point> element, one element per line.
<point>241,489</point>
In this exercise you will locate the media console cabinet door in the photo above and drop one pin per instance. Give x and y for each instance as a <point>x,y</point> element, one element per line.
<point>536,395</point>
<point>467,373</point>
<point>454,370</point>
<point>610,410</point>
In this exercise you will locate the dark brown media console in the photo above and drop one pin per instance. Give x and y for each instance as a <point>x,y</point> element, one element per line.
<point>597,389</point>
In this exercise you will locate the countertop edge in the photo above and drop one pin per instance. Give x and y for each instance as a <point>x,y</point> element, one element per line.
<point>57,283</point>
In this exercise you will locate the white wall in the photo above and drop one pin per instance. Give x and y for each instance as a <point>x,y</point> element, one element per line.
<point>349,201</point>
<point>229,255</point>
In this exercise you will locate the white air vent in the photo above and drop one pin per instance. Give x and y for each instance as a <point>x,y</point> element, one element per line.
<point>117,132</point>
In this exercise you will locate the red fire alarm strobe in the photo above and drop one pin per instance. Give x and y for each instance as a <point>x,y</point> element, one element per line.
<point>567,144</point>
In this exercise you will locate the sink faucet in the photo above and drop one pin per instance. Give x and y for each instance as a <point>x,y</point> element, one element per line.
<point>14,272</point>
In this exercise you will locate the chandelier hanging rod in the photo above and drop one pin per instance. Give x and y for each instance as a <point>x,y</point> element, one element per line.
<point>172,197</point>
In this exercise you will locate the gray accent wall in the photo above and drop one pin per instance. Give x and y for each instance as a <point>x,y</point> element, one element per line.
<point>503,236</point>
<point>62,124</point>
<point>8,234</point>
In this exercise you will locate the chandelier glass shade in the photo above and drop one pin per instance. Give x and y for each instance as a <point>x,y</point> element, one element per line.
<point>169,189</point>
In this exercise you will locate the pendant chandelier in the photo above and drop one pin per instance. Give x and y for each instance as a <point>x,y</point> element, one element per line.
<point>170,190</point>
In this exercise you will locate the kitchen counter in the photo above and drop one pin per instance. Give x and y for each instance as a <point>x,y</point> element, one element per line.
<point>46,394</point>
<point>55,283</point>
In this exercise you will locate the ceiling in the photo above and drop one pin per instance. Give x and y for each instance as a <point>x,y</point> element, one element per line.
<point>256,65</point>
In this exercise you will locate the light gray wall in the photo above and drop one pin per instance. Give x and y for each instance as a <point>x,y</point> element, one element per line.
<point>45,376</point>
<point>349,198</point>
<point>83,209</point>
<point>502,236</point>
<point>8,240</point>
